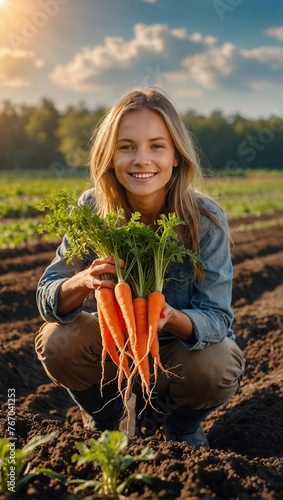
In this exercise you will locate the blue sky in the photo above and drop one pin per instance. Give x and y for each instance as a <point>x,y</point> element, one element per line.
<point>207,54</point>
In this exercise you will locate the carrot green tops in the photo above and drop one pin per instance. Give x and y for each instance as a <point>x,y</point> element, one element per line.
<point>154,262</point>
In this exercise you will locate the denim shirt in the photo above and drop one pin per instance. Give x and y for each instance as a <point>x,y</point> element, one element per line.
<point>207,303</point>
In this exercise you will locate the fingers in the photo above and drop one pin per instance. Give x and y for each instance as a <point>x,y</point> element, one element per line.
<point>111,260</point>
<point>164,316</point>
<point>105,265</point>
<point>165,311</point>
<point>94,281</point>
<point>98,269</point>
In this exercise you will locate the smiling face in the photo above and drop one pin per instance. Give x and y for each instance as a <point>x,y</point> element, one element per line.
<point>144,158</point>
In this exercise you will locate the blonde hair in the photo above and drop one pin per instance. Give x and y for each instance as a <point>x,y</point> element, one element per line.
<point>181,197</point>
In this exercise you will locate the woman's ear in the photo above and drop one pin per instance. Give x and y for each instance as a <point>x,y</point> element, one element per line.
<point>176,161</point>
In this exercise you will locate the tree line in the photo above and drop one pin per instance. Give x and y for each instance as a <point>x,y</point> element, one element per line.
<point>37,137</point>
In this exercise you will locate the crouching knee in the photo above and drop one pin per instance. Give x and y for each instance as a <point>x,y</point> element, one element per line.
<point>209,377</point>
<point>55,346</point>
<point>71,353</point>
<point>55,342</point>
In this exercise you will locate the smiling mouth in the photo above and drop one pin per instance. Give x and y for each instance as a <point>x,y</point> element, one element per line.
<point>143,176</point>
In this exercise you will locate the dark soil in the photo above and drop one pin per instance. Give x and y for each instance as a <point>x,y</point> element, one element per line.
<point>245,460</point>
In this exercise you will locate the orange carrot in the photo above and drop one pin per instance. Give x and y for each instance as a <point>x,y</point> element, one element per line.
<point>106,306</point>
<point>106,303</point>
<point>156,302</point>
<point>108,346</point>
<point>140,348</point>
<point>128,345</point>
<point>124,298</point>
<point>120,317</point>
<point>154,351</point>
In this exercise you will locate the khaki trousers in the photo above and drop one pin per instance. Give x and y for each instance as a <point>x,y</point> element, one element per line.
<point>71,356</point>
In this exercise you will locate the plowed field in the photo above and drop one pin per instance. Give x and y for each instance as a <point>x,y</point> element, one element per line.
<point>246,435</point>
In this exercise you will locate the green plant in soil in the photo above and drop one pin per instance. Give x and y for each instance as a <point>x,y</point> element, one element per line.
<point>109,452</point>
<point>14,466</point>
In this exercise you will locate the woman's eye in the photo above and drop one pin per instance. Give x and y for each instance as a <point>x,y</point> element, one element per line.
<point>157,146</point>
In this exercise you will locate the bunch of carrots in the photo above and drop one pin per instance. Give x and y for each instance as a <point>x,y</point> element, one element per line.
<point>129,313</point>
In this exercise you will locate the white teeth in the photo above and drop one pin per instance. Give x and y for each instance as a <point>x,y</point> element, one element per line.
<point>142,176</point>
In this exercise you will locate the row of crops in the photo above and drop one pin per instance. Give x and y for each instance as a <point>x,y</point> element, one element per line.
<point>19,195</point>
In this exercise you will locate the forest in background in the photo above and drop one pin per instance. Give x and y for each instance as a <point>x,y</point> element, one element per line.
<point>39,137</point>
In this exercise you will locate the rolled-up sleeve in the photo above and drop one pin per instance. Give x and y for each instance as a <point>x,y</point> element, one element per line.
<point>210,305</point>
<point>49,285</point>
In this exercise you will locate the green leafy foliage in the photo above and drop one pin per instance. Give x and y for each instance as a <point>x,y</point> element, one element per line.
<point>168,250</point>
<point>138,244</point>
<point>109,452</point>
<point>14,473</point>
<point>17,232</point>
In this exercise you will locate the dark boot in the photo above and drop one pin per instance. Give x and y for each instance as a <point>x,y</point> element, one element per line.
<point>195,439</point>
<point>184,424</point>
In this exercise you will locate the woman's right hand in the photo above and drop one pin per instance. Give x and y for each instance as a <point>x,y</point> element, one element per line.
<point>92,277</point>
<point>74,290</point>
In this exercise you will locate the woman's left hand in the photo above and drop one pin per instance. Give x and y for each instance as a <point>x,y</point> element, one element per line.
<point>176,322</point>
<point>165,316</point>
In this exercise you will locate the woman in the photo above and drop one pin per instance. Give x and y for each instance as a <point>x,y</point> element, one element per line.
<point>143,160</point>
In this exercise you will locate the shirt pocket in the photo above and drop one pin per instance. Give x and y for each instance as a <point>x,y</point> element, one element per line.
<point>179,285</point>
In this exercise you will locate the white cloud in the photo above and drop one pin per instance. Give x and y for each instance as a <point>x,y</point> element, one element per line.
<point>157,55</point>
<point>151,46</point>
<point>210,66</point>
<point>150,1</point>
<point>275,32</point>
<point>230,66</point>
<point>17,67</point>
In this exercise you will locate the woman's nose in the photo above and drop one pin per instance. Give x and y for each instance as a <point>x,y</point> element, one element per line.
<point>141,158</point>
